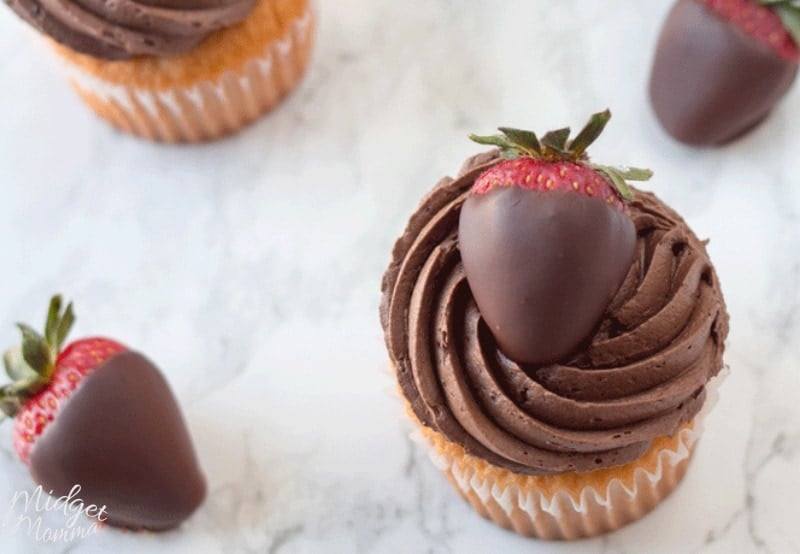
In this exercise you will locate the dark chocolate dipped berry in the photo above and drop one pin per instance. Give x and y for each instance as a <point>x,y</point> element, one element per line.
<point>97,415</point>
<point>545,240</point>
<point>722,65</point>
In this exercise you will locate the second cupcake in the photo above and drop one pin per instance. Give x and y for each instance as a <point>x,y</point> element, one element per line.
<point>553,332</point>
<point>178,71</point>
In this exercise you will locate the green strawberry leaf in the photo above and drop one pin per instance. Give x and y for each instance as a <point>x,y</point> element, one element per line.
<point>589,133</point>
<point>617,180</point>
<point>509,154</point>
<point>9,405</point>
<point>53,316</point>
<point>493,140</point>
<point>64,326</point>
<point>789,3</point>
<point>8,409</point>
<point>635,173</point>
<point>23,389</point>
<point>35,350</point>
<point>16,367</point>
<point>527,140</point>
<point>790,17</point>
<point>58,324</point>
<point>14,396</point>
<point>557,140</point>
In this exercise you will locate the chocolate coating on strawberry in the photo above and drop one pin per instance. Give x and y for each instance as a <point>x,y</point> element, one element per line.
<point>721,66</point>
<point>100,416</point>
<point>543,267</point>
<point>123,439</point>
<point>74,363</point>
<point>545,242</point>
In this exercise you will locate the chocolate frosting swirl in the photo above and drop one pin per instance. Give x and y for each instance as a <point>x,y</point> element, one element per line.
<point>640,376</point>
<point>123,29</point>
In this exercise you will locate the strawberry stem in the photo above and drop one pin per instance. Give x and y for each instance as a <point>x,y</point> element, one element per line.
<point>555,146</point>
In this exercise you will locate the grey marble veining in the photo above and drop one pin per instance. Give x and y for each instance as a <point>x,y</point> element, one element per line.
<point>249,271</point>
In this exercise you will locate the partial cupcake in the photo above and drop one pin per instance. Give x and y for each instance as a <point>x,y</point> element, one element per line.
<point>721,66</point>
<point>178,71</point>
<point>101,417</point>
<point>553,331</point>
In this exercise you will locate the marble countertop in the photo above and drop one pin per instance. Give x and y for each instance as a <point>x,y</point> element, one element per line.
<point>249,270</point>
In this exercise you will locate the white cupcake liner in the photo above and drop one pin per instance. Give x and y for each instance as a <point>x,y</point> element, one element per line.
<point>208,109</point>
<point>560,516</point>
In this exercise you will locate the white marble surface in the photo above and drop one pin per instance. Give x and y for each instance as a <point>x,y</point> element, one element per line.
<point>249,270</point>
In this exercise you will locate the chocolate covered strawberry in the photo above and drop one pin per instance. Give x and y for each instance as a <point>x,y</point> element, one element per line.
<point>100,416</point>
<point>545,240</point>
<point>722,65</point>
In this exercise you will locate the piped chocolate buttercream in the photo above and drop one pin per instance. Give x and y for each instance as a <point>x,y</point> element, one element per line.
<point>124,29</point>
<point>640,375</point>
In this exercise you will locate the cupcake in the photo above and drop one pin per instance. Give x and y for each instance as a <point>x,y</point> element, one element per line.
<point>178,70</point>
<point>721,66</point>
<point>553,331</point>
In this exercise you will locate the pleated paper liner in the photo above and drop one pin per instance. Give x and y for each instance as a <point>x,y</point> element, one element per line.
<point>571,505</point>
<point>208,93</point>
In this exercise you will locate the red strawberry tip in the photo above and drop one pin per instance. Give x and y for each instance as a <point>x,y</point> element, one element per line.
<point>31,366</point>
<point>556,146</point>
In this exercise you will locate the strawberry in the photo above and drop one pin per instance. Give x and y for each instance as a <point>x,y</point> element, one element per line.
<point>768,21</point>
<point>722,65</point>
<point>546,241</point>
<point>45,376</point>
<point>98,415</point>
